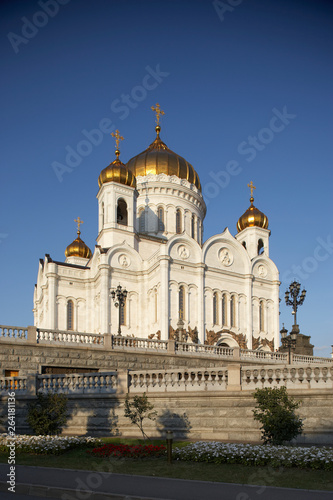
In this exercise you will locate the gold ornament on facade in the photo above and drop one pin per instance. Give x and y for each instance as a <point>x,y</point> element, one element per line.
<point>78,248</point>
<point>159,159</point>
<point>117,171</point>
<point>252,217</point>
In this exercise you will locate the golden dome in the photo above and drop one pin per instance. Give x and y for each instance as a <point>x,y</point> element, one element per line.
<point>159,159</point>
<point>117,172</point>
<point>78,248</point>
<point>252,217</point>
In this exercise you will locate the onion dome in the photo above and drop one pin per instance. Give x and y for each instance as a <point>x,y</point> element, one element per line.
<point>117,171</point>
<point>159,159</point>
<point>78,248</point>
<point>252,217</point>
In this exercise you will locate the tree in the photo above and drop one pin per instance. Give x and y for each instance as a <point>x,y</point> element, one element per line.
<point>48,414</point>
<point>275,410</point>
<point>139,409</point>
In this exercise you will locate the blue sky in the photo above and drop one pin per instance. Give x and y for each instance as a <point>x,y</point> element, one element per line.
<point>246,90</point>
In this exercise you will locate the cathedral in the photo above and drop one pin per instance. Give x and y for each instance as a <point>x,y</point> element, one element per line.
<point>223,291</point>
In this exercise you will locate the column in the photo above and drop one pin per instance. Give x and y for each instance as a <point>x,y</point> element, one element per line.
<point>164,297</point>
<point>104,270</point>
<point>52,295</point>
<point>201,304</point>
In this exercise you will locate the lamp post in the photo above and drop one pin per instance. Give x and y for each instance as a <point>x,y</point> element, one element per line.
<point>169,438</point>
<point>288,342</point>
<point>293,299</point>
<point>119,296</point>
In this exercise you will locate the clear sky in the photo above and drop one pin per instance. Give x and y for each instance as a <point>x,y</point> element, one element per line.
<point>246,87</point>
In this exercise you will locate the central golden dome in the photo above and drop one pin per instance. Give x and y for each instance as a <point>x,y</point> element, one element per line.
<point>159,159</point>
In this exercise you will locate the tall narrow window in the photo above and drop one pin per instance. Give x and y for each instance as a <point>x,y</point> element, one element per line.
<point>142,220</point>
<point>102,215</point>
<point>232,312</point>
<point>261,316</point>
<point>123,314</point>
<point>224,310</point>
<point>260,247</point>
<point>178,222</point>
<point>122,212</point>
<point>160,214</point>
<point>70,315</point>
<point>193,226</point>
<point>215,309</point>
<point>181,302</point>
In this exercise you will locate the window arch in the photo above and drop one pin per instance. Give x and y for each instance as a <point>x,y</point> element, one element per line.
<point>141,220</point>
<point>181,301</point>
<point>122,212</point>
<point>193,226</point>
<point>160,216</point>
<point>178,221</point>
<point>232,311</point>
<point>260,247</point>
<point>70,315</point>
<point>261,316</point>
<point>215,309</point>
<point>224,310</point>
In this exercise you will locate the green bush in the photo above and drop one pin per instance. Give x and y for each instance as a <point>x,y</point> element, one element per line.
<point>48,414</point>
<point>275,410</point>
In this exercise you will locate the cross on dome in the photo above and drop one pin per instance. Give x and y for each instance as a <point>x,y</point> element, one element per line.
<point>158,112</point>
<point>252,187</point>
<point>79,222</point>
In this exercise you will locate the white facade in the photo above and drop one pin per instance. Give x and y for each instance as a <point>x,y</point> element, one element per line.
<point>226,289</point>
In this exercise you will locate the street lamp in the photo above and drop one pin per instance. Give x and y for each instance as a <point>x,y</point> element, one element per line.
<point>119,296</point>
<point>288,342</point>
<point>295,300</point>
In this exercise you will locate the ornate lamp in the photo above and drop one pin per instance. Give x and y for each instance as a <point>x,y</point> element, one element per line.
<point>119,297</point>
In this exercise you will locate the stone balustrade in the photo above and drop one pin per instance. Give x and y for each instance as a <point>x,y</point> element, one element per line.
<point>214,379</point>
<point>78,383</point>
<point>56,338</point>
<point>16,384</point>
<point>293,377</point>
<point>13,332</point>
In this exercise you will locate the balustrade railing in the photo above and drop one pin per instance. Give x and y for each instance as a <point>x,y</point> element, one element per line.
<point>59,336</point>
<point>299,377</point>
<point>138,343</point>
<point>276,357</point>
<point>13,332</point>
<point>15,384</point>
<point>205,379</point>
<point>184,347</point>
<point>78,383</point>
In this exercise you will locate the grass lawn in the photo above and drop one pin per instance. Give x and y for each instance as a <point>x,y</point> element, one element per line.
<point>158,467</point>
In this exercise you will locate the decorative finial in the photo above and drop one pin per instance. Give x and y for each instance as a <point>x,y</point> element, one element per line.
<point>79,222</point>
<point>252,187</point>
<point>158,112</point>
<point>118,138</point>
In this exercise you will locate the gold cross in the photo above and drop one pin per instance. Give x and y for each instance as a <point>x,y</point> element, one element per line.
<point>158,112</point>
<point>118,137</point>
<point>252,187</point>
<point>79,222</point>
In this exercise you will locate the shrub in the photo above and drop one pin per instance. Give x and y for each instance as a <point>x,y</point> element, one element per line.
<point>139,409</point>
<point>275,410</point>
<point>48,414</point>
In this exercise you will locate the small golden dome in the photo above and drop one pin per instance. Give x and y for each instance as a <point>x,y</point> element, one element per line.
<point>252,217</point>
<point>78,248</point>
<point>117,172</point>
<point>159,159</point>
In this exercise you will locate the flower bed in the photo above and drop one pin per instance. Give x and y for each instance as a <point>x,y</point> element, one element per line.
<point>45,444</point>
<point>128,451</point>
<point>274,456</point>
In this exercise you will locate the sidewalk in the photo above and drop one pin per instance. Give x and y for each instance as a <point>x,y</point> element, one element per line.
<point>77,484</point>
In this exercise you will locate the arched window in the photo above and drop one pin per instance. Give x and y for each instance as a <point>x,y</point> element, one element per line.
<point>224,310</point>
<point>178,221</point>
<point>122,212</point>
<point>260,247</point>
<point>103,211</point>
<point>215,309</point>
<point>244,244</point>
<point>181,302</point>
<point>160,215</point>
<point>193,226</point>
<point>232,312</point>
<point>123,314</point>
<point>70,315</point>
<point>142,220</point>
<point>261,316</point>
